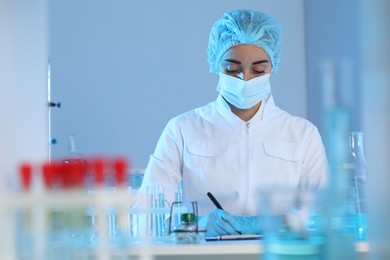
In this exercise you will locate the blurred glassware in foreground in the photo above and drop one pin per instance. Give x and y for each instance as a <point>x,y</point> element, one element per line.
<point>73,204</point>
<point>294,223</point>
<point>356,167</point>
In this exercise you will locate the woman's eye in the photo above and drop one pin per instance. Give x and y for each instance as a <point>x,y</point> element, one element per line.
<point>259,69</point>
<point>231,70</point>
<point>258,72</point>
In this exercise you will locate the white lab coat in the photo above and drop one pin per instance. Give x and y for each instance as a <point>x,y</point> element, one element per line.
<point>210,149</point>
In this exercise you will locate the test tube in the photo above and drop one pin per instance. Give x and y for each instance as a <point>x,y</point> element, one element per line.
<point>177,207</point>
<point>150,215</point>
<point>160,216</point>
<point>179,193</point>
<point>156,204</point>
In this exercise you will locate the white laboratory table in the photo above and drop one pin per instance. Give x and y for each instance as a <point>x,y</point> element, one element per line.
<point>216,250</point>
<point>203,248</point>
<point>151,250</point>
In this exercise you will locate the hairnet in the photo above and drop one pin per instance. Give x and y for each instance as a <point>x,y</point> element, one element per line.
<point>245,27</point>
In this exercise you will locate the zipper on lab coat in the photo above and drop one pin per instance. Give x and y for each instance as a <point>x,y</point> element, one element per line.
<point>247,126</point>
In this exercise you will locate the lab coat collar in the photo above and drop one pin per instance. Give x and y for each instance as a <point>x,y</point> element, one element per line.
<point>267,108</point>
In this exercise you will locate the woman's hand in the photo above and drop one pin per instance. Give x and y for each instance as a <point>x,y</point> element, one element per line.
<point>219,222</point>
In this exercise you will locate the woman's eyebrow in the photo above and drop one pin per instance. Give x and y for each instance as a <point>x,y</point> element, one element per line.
<point>253,63</point>
<point>233,61</point>
<point>260,62</point>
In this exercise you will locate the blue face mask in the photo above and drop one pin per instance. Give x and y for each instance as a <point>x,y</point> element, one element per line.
<point>244,94</point>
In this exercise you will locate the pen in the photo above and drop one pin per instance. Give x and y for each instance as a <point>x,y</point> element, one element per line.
<point>233,237</point>
<point>216,203</point>
<point>214,200</point>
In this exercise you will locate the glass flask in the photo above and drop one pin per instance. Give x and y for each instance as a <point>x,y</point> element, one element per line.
<point>357,168</point>
<point>187,231</point>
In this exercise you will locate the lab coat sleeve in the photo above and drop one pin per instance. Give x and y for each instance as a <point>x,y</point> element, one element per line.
<point>315,168</point>
<point>165,164</point>
<point>314,180</point>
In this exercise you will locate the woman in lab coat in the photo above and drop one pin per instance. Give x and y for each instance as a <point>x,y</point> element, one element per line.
<point>242,143</point>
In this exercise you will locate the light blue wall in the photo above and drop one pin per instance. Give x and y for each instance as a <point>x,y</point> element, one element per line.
<point>121,69</point>
<point>332,34</point>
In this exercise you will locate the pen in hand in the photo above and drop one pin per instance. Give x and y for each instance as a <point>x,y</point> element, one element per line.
<point>216,203</point>
<point>214,200</point>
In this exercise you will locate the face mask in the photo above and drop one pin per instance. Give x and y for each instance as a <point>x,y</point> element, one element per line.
<point>243,94</point>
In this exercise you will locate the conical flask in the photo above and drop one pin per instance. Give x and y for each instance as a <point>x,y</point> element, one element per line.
<point>358,167</point>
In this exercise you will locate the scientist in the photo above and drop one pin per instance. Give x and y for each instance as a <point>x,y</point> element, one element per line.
<point>242,142</point>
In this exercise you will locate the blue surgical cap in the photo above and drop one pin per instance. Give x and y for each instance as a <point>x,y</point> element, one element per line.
<point>245,27</point>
